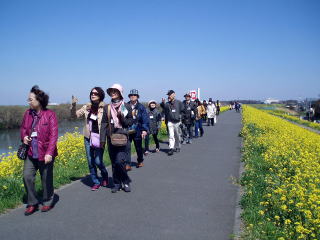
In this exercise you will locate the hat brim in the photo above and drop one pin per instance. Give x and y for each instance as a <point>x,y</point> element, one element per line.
<point>109,89</point>
<point>134,95</point>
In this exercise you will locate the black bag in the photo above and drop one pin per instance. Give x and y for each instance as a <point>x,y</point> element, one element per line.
<point>24,148</point>
<point>23,151</point>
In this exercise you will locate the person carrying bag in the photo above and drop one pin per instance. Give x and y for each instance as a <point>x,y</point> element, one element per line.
<point>117,120</point>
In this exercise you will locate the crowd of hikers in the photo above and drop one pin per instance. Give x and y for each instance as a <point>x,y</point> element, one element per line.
<point>113,125</point>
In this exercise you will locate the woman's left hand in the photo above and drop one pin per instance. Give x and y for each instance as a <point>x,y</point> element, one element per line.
<point>47,159</point>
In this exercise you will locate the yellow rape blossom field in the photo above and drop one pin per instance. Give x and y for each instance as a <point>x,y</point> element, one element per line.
<point>281,182</point>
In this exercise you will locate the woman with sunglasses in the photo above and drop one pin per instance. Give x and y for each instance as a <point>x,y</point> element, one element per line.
<point>94,137</point>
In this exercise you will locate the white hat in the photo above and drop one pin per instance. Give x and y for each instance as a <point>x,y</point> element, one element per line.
<point>116,86</point>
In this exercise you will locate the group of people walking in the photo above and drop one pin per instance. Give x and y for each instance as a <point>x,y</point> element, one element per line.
<point>113,126</point>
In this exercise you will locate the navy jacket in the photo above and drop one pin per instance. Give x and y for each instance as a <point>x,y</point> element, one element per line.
<point>140,119</point>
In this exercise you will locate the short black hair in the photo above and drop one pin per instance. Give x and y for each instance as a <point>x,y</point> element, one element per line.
<point>41,96</point>
<point>101,93</point>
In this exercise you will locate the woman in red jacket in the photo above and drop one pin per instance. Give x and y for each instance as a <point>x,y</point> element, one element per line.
<point>40,131</point>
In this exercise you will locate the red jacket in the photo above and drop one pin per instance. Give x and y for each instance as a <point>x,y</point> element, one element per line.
<point>47,130</point>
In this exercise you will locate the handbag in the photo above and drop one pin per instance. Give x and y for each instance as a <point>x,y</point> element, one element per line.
<point>23,149</point>
<point>94,137</point>
<point>117,139</point>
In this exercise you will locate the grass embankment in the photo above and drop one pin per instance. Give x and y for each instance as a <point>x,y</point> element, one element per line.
<point>281,181</point>
<point>11,116</point>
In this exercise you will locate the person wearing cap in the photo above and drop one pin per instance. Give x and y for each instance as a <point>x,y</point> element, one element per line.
<point>154,125</point>
<point>173,110</point>
<point>188,119</point>
<point>139,129</point>
<point>94,140</point>
<point>117,118</point>
<point>211,112</point>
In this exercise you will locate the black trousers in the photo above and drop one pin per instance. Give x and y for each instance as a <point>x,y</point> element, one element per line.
<point>138,146</point>
<point>187,132</point>
<point>118,156</point>
<point>211,121</point>
<point>147,140</point>
<point>30,168</point>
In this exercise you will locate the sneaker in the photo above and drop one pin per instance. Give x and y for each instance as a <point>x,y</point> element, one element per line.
<point>170,152</point>
<point>146,153</point>
<point>46,208</point>
<point>126,187</point>
<point>105,183</point>
<point>139,165</point>
<point>157,150</point>
<point>190,141</point>
<point>95,187</point>
<point>30,210</point>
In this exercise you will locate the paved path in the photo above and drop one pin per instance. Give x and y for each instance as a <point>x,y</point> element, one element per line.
<point>187,196</point>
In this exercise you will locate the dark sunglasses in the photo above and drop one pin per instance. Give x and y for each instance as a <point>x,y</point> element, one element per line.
<point>94,94</point>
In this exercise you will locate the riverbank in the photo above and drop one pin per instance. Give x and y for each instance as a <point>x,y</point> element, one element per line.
<point>11,116</point>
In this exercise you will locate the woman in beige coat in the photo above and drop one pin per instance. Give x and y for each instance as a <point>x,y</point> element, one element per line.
<point>94,137</point>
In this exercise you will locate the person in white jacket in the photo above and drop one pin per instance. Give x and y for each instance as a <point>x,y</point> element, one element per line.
<point>211,113</point>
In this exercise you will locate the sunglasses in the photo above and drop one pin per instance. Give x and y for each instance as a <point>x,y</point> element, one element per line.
<point>94,94</point>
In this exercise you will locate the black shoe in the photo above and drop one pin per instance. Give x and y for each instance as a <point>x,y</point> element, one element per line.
<point>170,152</point>
<point>126,187</point>
<point>115,189</point>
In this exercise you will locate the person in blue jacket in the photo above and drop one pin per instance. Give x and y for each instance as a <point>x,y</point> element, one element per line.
<point>139,129</point>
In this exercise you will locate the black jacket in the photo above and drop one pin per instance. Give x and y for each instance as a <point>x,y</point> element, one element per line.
<point>190,112</point>
<point>173,111</point>
<point>154,120</point>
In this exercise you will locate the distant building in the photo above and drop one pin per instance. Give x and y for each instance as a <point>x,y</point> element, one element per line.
<point>271,100</point>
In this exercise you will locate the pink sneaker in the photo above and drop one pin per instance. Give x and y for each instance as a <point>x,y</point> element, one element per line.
<point>95,187</point>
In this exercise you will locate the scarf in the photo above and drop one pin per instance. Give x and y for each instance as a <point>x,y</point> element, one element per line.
<point>115,107</point>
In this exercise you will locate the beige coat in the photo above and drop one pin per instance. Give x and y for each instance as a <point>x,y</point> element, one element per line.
<point>84,111</point>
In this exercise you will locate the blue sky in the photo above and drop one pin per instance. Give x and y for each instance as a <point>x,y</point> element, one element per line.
<point>230,49</point>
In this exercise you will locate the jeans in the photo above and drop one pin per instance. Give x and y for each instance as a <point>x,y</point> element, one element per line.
<point>138,145</point>
<point>95,159</point>
<point>147,139</point>
<point>30,168</point>
<point>197,127</point>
